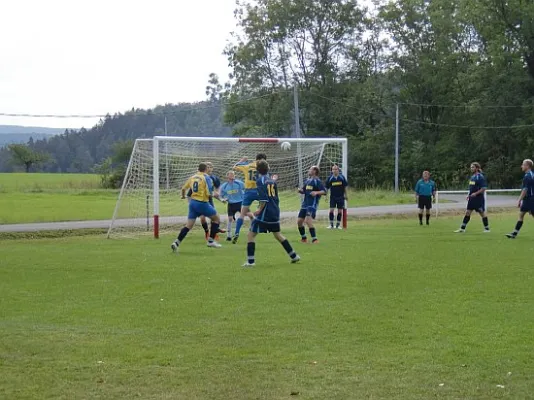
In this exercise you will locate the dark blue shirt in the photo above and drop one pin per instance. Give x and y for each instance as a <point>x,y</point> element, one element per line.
<point>312,185</point>
<point>528,185</point>
<point>423,188</point>
<point>336,185</point>
<point>216,181</point>
<point>477,182</point>
<point>268,194</point>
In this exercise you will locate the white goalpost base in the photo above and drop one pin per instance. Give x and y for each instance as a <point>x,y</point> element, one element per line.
<point>489,201</point>
<point>150,197</point>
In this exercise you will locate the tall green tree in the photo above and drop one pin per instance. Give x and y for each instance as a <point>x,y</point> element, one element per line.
<point>26,157</point>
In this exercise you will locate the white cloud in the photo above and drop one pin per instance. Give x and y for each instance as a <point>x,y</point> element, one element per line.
<point>95,57</point>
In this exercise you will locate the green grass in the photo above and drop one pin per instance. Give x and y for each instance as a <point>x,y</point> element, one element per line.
<point>386,310</point>
<point>26,198</point>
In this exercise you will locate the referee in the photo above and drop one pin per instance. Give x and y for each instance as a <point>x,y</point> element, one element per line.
<point>425,192</point>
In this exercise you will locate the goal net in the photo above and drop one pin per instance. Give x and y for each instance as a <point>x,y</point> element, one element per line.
<point>150,198</point>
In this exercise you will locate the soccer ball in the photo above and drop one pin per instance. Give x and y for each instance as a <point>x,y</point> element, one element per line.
<point>286,146</point>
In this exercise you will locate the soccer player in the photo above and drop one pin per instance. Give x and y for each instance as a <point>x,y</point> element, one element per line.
<point>425,193</point>
<point>201,189</point>
<point>248,169</point>
<point>312,190</point>
<point>526,198</point>
<point>337,184</point>
<point>475,199</point>
<point>232,192</point>
<point>267,216</point>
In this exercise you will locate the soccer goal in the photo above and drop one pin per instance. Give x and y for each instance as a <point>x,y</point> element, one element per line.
<point>150,198</point>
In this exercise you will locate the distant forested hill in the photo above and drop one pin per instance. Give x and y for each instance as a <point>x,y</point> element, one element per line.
<point>21,134</point>
<point>79,150</point>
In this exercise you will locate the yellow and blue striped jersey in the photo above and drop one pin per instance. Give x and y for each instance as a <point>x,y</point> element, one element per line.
<point>248,169</point>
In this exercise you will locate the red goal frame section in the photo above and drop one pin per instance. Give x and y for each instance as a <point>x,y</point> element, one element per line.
<point>156,160</point>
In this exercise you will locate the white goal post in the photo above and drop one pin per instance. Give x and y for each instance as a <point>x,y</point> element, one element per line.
<point>150,197</point>
<point>502,202</point>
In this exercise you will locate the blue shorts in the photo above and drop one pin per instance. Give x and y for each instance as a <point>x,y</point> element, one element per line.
<point>337,202</point>
<point>307,212</point>
<point>477,204</point>
<point>264,227</point>
<point>527,205</point>
<point>198,208</point>
<point>250,196</point>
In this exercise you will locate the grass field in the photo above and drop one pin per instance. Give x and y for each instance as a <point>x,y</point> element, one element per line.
<point>26,198</point>
<point>386,310</point>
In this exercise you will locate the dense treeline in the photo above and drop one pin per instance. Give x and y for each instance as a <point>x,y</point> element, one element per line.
<point>81,150</point>
<point>461,71</point>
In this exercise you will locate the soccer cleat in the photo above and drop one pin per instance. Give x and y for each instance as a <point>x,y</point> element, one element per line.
<point>486,231</point>
<point>339,227</point>
<point>247,264</point>
<point>315,241</point>
<point>330,227</point>
<point>295,260</point>
<point>304,240</point>
<point>214,245</point>
<point>174,247</point>
<point>511,235</point>
<point>235,239</point>
<point>459,230</point>
<point>228,239</point>
<point>222,230</point>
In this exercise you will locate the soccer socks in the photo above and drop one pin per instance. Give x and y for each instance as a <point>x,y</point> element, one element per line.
<point>213,232</point>
<point>313,234</point>
<point>428,219</point>
<point>289,250</point>
<point>251,249</point>
<point>331,218</point>
<point>205,227</point>
<point>181,236</point>
<point>518,226</point>
<point>420,219</point>
<point>302,232</point>
<point>486,223</point>
<point>238,225</point>
<point>229,229</point>
<point>338,217</point>
<point>465,222</point>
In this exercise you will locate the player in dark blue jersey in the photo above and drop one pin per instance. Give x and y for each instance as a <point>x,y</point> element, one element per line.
<point>337,185</point>
<point>476,200</point>
<point>526,198</point>
<point>312,190</point>
<point>267,217</point>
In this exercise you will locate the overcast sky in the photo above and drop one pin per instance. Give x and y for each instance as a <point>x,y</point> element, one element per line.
<point>100,56</point>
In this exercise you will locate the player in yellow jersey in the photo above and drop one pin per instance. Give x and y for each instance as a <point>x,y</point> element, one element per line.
<point>201,187</point>
<point>248,169</point>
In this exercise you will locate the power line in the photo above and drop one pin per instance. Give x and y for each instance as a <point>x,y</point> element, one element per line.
<point>144,112</point>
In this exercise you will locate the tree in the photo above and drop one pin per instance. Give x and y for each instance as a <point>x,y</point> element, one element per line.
<point>25,156</point>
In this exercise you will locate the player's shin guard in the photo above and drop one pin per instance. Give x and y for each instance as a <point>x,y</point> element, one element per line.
<point>205,227</point>
<point>465,221</point>
<point>238,225</point>
<point>289,250</point>
<point>181,236</point>
<point>338,217</point>
<point>213,231</point>
<point>331,218</point>
<point>229,228</point>
<point>302,232</point>
<point>427,219</point>
<point>518,226</point>
<point>485,222</point>
<point>313,234</point>
<point>251,249</point>
<point>420,218</point>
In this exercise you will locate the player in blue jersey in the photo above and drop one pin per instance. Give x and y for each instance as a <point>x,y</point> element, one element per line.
<point>267,217</point>
<point>312,190</point>
<point>337,185</point>
<point>201,188</point>
<point>250,174</point>
<point>232,192</point>
<point>425,193</point>
<point>526,198</point>
<point>476,200</point>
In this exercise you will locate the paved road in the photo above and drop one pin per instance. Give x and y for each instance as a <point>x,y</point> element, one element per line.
<point>456,202</point>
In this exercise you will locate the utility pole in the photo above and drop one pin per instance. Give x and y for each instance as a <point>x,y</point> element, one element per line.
<point>397,149</point>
